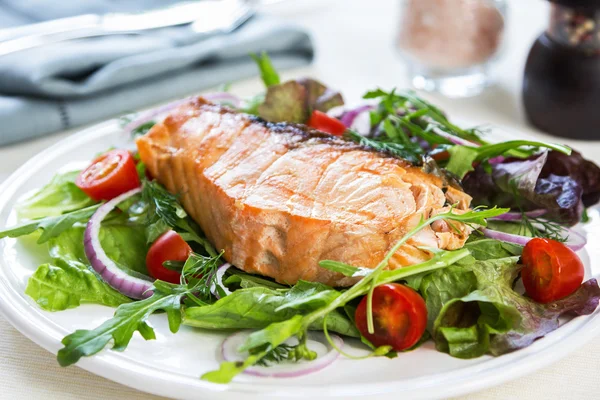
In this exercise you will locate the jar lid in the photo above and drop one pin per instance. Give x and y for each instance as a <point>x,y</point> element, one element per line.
<point>577,3</point>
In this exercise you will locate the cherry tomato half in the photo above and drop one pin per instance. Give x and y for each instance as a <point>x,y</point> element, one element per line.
<point>399,317</point>
<point>552,270</point>
<point>170,246</point>
<point>324,123</point>
<point>109,175</point>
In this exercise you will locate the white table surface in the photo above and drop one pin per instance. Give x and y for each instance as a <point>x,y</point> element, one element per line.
<point>354,41</point>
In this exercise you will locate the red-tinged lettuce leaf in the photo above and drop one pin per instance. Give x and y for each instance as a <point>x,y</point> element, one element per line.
<point>529,184</point>
<point>294,101</point>
<point>319,96</point>
<point>476,311</point>
<point>284,103</point>
<point>583,171</point>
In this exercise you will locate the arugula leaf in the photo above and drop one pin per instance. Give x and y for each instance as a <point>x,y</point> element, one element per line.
<point>462,157</point>
<point>258,307</point>
<point>489,249</point>
<point>128,319</point>
<point>244,280</point>
<point>51,226</point>
<point>65,284</point>
<point>412,154</point>
<point>59,196</point>
<point>428,119</point>
<point>268,73</point>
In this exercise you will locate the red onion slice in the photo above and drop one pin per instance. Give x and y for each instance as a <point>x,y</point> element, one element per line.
<point>349,116</point>
<point>218,281</point>
<point>224,97</point>
<point>130,286</point>
<point>153,113</point>
<point>316,342</point>
<point>576,241</point>
<point>516,216</point>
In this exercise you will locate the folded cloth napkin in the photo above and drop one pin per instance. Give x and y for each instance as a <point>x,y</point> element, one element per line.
<point>67,84</point>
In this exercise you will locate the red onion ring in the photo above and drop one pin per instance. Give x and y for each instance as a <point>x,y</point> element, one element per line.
<point>153,113</point>
<point>130,286</point>
<point>516,216</point>
<point>232,343</point>
<point>224,96</point>
<point>219,281</point>
<point>576,241</point>
<point>349,116</point>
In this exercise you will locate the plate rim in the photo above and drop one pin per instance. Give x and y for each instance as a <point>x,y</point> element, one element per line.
<point>114,366</point>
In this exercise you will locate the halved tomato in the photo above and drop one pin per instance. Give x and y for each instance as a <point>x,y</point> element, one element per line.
<point>399,317</point>
<point>170,246</point>
<point>324,123</point>
<point>552,270</point>
<point>109,175</point>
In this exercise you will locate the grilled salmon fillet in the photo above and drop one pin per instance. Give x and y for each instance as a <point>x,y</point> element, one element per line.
<point>278,198</point>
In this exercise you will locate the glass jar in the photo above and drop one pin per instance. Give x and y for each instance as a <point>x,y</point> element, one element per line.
<point>561,86</point>
<point>449,44</point>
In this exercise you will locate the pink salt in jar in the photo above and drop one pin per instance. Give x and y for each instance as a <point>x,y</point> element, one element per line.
<point>449,44</point>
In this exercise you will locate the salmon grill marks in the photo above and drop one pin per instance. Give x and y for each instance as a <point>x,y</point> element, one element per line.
<point>278,198</point>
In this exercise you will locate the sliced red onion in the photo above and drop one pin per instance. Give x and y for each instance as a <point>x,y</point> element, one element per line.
<point>153,113</point>
<point>575,240</point>
<point>349,116</point>
<point>130,286</point>
<point>497,160</point>
<point>516,216</point>
<point>316,342</point>
<point>455,139</point>
<point>224,97</point>
<point>218,281</point>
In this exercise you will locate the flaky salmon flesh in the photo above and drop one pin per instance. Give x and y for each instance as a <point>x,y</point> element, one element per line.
<point>279,198</point>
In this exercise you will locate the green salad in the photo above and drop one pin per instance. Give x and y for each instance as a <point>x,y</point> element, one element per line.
<point>116,237</point>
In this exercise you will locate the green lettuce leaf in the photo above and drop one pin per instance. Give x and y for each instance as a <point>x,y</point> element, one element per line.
<point>59,196</point>
<point>61,285</point>
<point>474,310</point>
<point>69,280</point>
<point>126,246</point>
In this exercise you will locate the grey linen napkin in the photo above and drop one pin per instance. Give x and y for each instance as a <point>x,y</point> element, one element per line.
<point>64,85</point>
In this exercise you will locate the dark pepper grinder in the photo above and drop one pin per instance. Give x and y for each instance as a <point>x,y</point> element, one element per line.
<point>561,87</point>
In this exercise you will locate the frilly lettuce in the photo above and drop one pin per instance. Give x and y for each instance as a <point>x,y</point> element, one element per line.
<point>554,181</point>
<point>474,310</point>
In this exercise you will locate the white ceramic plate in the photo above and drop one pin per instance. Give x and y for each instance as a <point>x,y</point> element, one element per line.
<point>170,366</point>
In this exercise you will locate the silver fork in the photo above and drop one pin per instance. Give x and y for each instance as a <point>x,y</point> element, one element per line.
<point>205,17</point>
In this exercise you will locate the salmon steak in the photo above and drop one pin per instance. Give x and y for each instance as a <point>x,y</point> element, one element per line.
<point>278,198</point>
